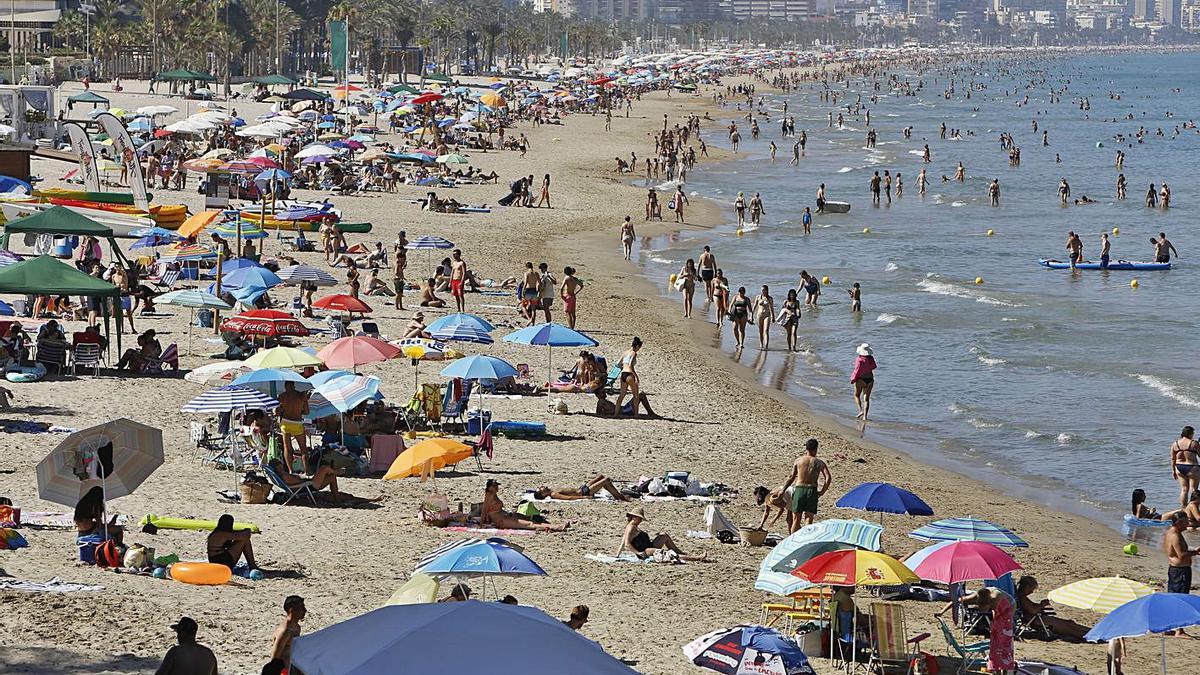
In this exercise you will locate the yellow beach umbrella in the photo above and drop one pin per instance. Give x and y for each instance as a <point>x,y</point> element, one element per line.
<point>282,357</point>
<point>856,567</point>
<point>1099,594</point>
<point>492,99</point>
<point>428,456</point>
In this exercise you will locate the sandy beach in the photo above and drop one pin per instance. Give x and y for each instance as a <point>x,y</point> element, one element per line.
<point>716,423</point>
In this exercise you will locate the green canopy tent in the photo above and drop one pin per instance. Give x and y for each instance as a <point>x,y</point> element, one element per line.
<point>46,276</point>
<point>272,80</point>
<point>61,221</point>
<point>438,77</point>
<point>88,97</point>
<point>402,89</point>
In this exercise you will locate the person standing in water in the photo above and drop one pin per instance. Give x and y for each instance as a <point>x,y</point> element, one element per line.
<point>678,202</point>
<point>994,192</point>
<point>863,379</point>
<point>1120,186</point>
<point>1064,190</point>
<point>922,182</point>
<point>686,282</point>
<point>1151,197</point>
<point>806,220</point>
<point>789,318</point>
<point>1185,463</point>
<point>739,315</point>
<point>855,292</point>
<point>739,207</point>
<point>1163,248</point>
<point>820,198</point>
<point>1105,247</point>
<point>708,269</point>
<point>756,209</point>
<point>764,314</point>
<point>1074,249</point>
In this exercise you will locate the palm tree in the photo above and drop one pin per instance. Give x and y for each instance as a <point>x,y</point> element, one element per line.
<point>70,30</point>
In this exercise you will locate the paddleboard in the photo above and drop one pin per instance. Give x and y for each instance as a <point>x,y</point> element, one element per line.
<point>1114,265</point>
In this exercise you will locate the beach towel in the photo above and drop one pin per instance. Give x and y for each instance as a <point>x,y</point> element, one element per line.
<point>55,585</point>
<point>689,498</point>
<point>486,530</point>
<point>628,558</point>
<point>48,520</point>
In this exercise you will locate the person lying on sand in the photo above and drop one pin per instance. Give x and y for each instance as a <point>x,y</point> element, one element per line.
<point>661,547</point>
<point>585,491</point>
<point>493,513</point>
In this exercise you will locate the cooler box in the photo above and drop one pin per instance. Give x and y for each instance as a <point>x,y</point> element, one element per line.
<point>384,450</point>
<point>477,421</point>
<point>87,547</point>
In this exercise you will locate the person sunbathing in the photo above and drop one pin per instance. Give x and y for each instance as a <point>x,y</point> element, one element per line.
<point>1030,608</point>
<point>375,286</point>
<point>227,546</point>
<point>325,477</point>
<point>606,408</point>
<point>492,513</point>
<point>587,490</point>
<point>89,517</point>
<point>661,547</point>
<point>417,327</point>
<point>428,298</point>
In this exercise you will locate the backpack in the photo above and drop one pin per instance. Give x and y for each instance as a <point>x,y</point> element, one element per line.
<point>109,554</point>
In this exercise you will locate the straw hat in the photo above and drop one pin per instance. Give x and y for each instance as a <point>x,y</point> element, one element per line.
<point>864,350</point>
<point>636,512</point>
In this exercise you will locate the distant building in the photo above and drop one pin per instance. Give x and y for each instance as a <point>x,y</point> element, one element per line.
<point>1144,10</point>
<point>33,21</point>
<point>776,10</point>
<point>1169,12</point>
<point>923,9</point>
<point>688,11</point>
<point>610,10</point>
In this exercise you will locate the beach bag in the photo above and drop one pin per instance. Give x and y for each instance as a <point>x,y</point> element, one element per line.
<point>109,554</point>
<point>138,557</point>
<point>656,487</point>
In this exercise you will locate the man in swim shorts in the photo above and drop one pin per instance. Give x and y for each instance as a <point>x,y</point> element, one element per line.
<point>293,406</point>
<point>806,473</point>
<point>571,285</point>
<point>708,270</point>
<point>458,276</point>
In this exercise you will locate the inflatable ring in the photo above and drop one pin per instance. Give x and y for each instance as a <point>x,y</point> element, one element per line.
<point>201,573</point>
<point>25,373</point>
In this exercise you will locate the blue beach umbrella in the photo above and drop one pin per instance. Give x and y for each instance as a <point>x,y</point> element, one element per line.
<point>272,174</point>
<point>492,557</point>
<point>457,319</point>
<point>551,335</point>
<point>884,498</point>
<point>462,332</point>
<point>479,367</point>
<point>968,529</point>
<point>270,381</point>
<point>153,241</point>
<point>328,376</point>
<point>346,393</point>
<point>155,230</point>
<point>251,276</point>
<point>1154,613</point>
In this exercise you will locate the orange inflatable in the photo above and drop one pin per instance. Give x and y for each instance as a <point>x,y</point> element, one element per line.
<point>201,573</point>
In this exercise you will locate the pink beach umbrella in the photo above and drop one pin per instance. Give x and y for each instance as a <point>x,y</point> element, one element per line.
<point>954,562</point>
<point>356,350</point>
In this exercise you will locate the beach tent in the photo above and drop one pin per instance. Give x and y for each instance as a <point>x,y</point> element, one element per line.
<point>45,275</point>
<point>62,221</point>
<point>505,640</point>
<point>88,97</point>
<point>304,95</point>
<point>270,80</point>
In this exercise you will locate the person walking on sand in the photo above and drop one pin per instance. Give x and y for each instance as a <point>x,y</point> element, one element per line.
<point>545,196</point>
<point>629,378</point>
<point>288,629</point>
<point>678,202</point>
<point>188,657</point>
<point>1185,463</point>
<point>863,379</point>
<point>627,235</point>
<point>686,282</point>
<point>707,263</point>
<point>569,292</point>
<point>764,314</point>
<point>806,472</point>
<point>1179,556</point>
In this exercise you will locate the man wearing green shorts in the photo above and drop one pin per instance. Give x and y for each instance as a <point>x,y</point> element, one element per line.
<point>806,473</point>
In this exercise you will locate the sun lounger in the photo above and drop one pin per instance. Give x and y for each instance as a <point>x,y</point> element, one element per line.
<point>291,491</point>
<point>890,644</point>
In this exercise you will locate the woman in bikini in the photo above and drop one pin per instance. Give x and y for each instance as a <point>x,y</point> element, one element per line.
<point>764,314</point>
<point>687,280</point>
<point>643,546</point>
<point>587,490</point>
<point>1184,464</point>
<point>739,314</point>
<point>863,379</point>
<point>629,377</point>
<point>789,318</point>
<point>739,205</point>
<point>721,295</point>
<point>492,513</point>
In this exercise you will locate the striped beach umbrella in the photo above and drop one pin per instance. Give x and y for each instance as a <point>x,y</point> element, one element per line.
<point>249,230</point>
<point>858,533</point>
<point>296,274</point>
<point>429,243</point>
<point>116,456</point>
<point>968,529</point>
<point>463,332</point>
<point>186,252</point>
<point>489,558</point>
<point>9,258</point>
<point>346,393</point>
<point>195,299</point>
<point>455,319</point>
<point>227,398</point>
<point>1099,594</point>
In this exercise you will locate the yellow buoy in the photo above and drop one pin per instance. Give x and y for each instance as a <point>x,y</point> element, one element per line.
<point>739,232</point>
<point>978,281</point>
<point>991,232</point>
<point>866,230</point>
<point>1133,283</point>
<point>825,280</point>
<point>671,279</point>
<point>1116,231</point>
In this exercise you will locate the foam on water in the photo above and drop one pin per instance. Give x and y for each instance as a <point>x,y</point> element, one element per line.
<point>845,169</point>
<point>888,319</point>
<point>954,291</point>
<point>1166,388</point>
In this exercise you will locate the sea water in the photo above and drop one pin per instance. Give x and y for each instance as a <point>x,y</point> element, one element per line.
<point>1065,386</point>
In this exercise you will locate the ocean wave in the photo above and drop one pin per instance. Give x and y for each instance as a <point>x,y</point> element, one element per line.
<point>958,203</point>
<point>1065,438</point>
<point>891,267</point>
<point>845,169</point>
<point>985,358</point>
<point>958,408</point>
<point>918,153</point>
<point>984,424</point>
<point>1030,434</point>
<point>944,288</point>
<point>661,261</point>
<point>889,319</point>
<point>1168,389</point>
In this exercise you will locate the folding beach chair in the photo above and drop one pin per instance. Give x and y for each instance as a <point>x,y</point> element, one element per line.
<point>970,655</point>
<point>483,446</point>
<point>158,366</point>
<point>454,408</point>
<point>890,646</point>
<point>88,355</point>
<point>291,491</point>
<point>164,283</point>
<point>52,354</point>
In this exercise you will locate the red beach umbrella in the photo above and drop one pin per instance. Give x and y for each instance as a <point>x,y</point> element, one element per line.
<point>427,98</point>
<point>265,322</point>
<point>343,303</point>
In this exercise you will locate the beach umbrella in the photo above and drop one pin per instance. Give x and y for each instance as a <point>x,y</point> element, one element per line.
<point>426,457</point>
<point>492,99</point>
<point>342,302</point>
<point>347,393</point>
<point>272,174</point>
<point>1154,613</point>
<point>954,562</point>
<point>429,243</point>
<point>1099,594</point>
<point>265,322</point>
<point>270,381</point>
<point>858,533</point>
<point>452,158</point>
<point>203,164</point>
<point>251,276</point>
<point>463,332</point>
<point>968,529</point>
<point>457,319</point>
<point>491,557</point>
<point>229,398</point>
<point>805,552</point>
<point>296,274</point>
<point>745,649</point>
<point>551,335</point>
<point>193,299</point>
<point>506,640</point>
<point>154,241</point>
<point>421,349</point>
<point>479,367</point>
<point>184,252</point>
<point>116,456</point>
<point>856,567</point>
<point>155,231</point>
<point>356,350</point>
<point>317,150</point>
<point>9,258</point>
<point>156,110</point>
<point>269,164</point>
<point>223,372</point>
<point>241,228</point>
<point>428,97</point>
<point>282,357</point>
<point>884,498</point>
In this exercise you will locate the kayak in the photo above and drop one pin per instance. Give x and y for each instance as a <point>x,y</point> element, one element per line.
<point>1115,265</point>
<point>106,197</point>
<point>121,224</point>
<point>836,207</point>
